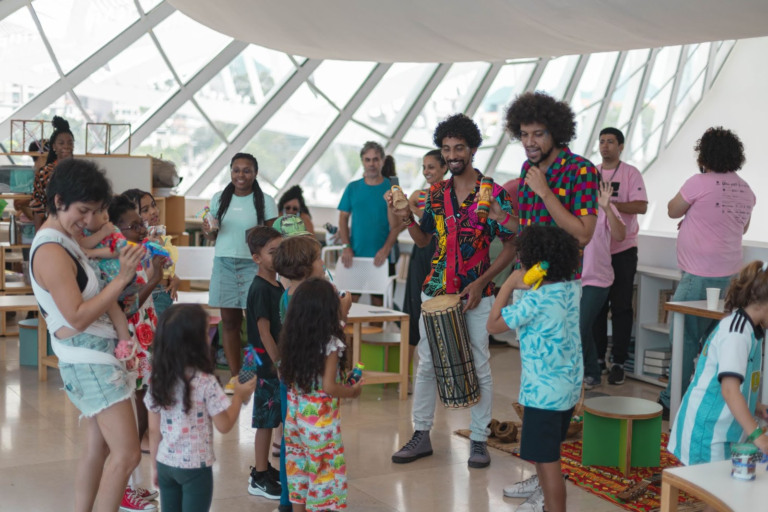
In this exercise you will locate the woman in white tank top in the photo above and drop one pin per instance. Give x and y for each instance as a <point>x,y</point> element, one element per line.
<point>68,291</point>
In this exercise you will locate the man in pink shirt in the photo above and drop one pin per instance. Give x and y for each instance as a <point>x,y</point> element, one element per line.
<point>716,207</point>
<point>630,199</point>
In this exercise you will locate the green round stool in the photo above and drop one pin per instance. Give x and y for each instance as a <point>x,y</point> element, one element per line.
<point>621,431</point>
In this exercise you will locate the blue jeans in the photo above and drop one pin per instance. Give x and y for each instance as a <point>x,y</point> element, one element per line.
<point>692,287</point>
<point>592,300</point>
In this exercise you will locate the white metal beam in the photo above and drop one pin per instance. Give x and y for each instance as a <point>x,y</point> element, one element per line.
<point>639,99</point>
<point>333,130</point>
<point>184,94</point>
<point>257,123</point>
<point>504,139</point>
<point>600,119</point>
<point>482,90</point>
<point>8,7</point>
<point>417,106</point>
<point>90,65</point>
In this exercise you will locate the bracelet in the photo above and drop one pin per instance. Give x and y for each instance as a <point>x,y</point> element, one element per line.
<point>754,435</point>
<point>506,219</point>
<point>345,246</point>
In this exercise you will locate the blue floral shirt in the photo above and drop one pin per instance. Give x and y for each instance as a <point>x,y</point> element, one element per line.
<point>547,322</point>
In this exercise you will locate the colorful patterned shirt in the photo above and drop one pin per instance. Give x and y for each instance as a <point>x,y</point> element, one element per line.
<point>468,256</point>
<point>575,182</point>
<point>187,439</point>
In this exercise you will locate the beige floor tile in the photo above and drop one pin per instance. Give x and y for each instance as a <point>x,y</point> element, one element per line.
<point>40,439</point>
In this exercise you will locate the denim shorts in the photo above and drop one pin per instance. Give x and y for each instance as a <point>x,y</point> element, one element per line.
<point>230,281</point>
<point>162,299</point>
<point>266,404</point>
<point>94,387</point>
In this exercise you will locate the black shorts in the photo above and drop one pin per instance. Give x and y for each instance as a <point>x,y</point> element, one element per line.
<point>266,404</point>
<point>543,431</point>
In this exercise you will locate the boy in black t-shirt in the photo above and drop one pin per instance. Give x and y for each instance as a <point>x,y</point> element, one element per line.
<point>263,321</point>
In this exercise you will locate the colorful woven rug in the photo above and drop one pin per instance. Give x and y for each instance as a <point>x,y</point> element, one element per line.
<point>607,482</point>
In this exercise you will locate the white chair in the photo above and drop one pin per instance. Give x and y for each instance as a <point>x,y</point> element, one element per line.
<point>362,277</point>
<point>195,263</point>
<point>365,277</point>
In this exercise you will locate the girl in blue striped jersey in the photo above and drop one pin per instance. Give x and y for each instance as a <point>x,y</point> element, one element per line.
<point>717,410</point>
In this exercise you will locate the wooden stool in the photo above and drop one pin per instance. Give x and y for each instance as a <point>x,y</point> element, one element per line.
<point>621,431</point>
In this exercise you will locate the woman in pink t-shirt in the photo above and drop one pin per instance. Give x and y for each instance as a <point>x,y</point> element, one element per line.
<point>716,207</point>
<point>596,279</point>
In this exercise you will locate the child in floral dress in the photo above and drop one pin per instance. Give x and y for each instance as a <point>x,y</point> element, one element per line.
<point>312,353</point>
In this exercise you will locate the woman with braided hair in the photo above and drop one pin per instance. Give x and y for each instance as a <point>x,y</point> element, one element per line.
<point>238,208</point>
<point>62,145</point>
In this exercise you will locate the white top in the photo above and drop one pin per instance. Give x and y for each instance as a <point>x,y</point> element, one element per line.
<point>102,326</point>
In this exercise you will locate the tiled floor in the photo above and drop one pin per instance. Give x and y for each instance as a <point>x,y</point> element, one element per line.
<point>40,440</point>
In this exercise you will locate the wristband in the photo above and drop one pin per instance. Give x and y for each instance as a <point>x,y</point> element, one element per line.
<point>345,246</point>
<point>506,219</point>
<point>754,435</point>
<point>412,223</point>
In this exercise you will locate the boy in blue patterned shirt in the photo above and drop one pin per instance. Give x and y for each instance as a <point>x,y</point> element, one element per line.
<point>547,322</point>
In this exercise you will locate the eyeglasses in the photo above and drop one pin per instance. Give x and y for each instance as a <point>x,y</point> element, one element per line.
<point>134,227</point>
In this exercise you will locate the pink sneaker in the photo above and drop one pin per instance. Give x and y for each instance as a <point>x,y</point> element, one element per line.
<point>132,501</point>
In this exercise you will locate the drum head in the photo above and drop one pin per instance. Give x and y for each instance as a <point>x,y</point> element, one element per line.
<point>440,303</point>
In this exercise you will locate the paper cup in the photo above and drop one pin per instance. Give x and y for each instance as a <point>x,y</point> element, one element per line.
<point>713,297</point>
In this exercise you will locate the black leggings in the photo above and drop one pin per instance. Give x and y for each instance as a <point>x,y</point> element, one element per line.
<point>185,490</point>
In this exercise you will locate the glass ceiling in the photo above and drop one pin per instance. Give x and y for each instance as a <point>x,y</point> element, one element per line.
<point>196,97</point>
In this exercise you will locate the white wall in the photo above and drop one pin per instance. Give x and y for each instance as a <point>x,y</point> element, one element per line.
<point>737,101</point>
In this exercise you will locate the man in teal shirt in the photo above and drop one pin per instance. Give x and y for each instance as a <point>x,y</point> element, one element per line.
<point>371,236</point>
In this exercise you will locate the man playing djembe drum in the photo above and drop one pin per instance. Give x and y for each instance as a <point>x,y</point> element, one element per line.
<point>461,265</point>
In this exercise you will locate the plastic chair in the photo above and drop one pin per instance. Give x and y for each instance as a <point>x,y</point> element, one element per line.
<point>195,263</point>
<point>364,277</point>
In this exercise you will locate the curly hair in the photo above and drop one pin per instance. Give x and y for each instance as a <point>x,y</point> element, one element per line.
<point>750,286</point>
<point>119,206</point>
<point>180,344</point>
<point>313,318</point>
<point>551,244</point>
<point>540,107</point>
<point>458,126</point>
<point>720,150</point>
<point>292,193</point>
<point>295,256</point>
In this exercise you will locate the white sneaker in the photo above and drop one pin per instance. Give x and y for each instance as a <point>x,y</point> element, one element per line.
<point>534,503</point>
<point>523,489</point>
<point>229,388</point>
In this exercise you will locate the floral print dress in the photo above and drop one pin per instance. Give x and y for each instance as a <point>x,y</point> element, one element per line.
<point>314,455</point>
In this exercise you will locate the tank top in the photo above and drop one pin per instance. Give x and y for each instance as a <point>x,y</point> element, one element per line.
<point>89,287</point>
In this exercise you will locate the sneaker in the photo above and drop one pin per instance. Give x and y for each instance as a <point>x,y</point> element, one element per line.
<point>616,376</point>
<point>261,484</point>
<point>132,501</point>
<point>478,455</point>
<point>230,387</point>
<point>273,472</point>
<point>591,382</point>
<point>534,503</point>
<point>522,489</point>
<point>419,446</point>
<point>146,493</point>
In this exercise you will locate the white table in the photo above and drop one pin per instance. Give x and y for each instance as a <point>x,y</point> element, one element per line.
<point>361,313</point>
<point>712,483</point>
<point>679,310</point>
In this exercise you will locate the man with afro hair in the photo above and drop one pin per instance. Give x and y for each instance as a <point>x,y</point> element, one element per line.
<point>461,265</point>
<point>558,187</point>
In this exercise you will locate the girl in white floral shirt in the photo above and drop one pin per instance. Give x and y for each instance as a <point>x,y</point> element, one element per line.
<point>185,402</point>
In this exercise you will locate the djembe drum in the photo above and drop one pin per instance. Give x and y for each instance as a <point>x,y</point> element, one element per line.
<point>451,353</point>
